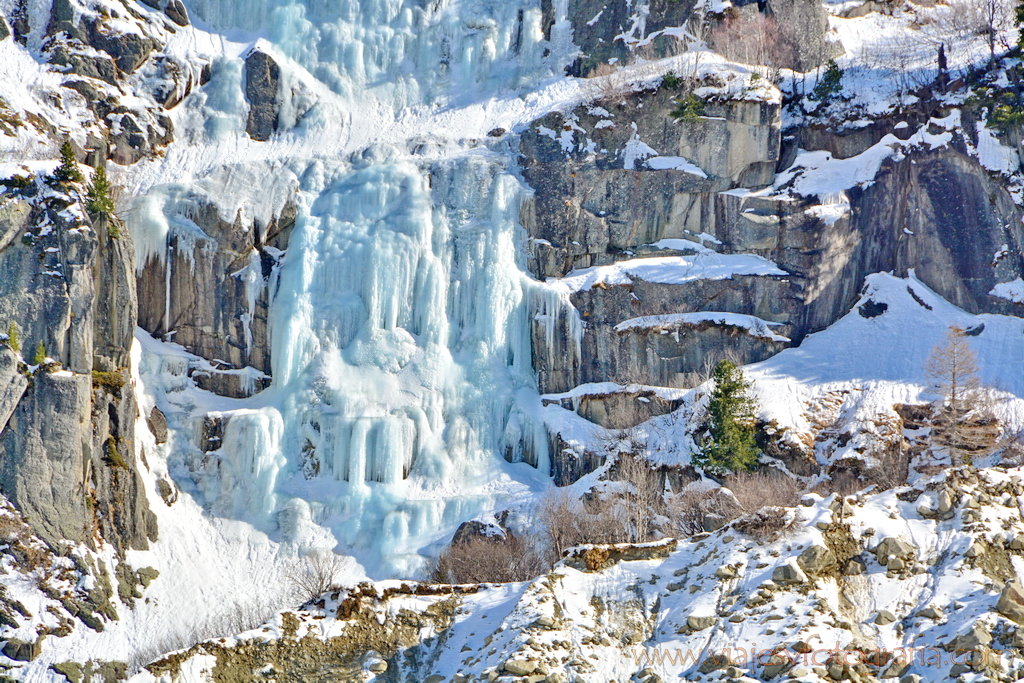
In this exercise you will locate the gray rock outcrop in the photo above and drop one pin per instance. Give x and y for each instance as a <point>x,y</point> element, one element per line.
<point>234,259</point>
<point>262,91</point>
<point>67,457</point>
<point>598,199</point>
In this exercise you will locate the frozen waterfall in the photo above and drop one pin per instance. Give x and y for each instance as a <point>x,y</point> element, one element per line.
<point>404,400</point>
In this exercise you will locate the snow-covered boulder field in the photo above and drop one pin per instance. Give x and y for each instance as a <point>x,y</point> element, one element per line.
<point>917,583</point>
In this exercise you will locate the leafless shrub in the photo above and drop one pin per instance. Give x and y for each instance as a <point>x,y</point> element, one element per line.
<point>564,521</point>
<point>488,560</point>
<point>840,482</point>
<point>964,424</point>
<point>641,497</point>
<point>766,524</point>
<point>316,573</point>
<point>707,367</point>
<point>1012,447</point>
<point>892,469</point>
<point>10,527</point>
<point>611,83</point>
<point>687,509</point>
<point>754,490</point>
<point>790,38</point>
<point>963,21</point>
<point>747,37</point>
<point>629,439</point>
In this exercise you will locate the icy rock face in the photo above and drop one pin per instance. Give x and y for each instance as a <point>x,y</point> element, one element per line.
<point>203,253</point>
<point>608,32</point>
<point>364,52</point>
<point>401,358</point>
<point>69,285</point>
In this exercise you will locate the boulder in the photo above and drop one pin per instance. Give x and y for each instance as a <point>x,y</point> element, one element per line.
<point>854,568</point>
<point>816,559</point>
<point>520,667</point>
<point>98,66</point>
<point>129,50</point>
<point>700,623</point>
<point>884,617</point>
<point>726,572</point>
<point>713,522</point>
<point>176,12</point>
<point>1011,601</point>
<point>474,529</point>
<point>157,423</point>
<point>891,547</point>
<point>976,636</point>
<point>776,665</point>
<point>23,651</point>
<point>788,574</point>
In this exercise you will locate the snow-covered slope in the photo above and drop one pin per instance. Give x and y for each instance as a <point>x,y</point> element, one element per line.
<point>914,581</point>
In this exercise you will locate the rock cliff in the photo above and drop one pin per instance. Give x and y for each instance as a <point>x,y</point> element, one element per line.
<point>67,448</point>
<point>620,186</point>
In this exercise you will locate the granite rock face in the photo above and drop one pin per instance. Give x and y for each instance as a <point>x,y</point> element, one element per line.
<point>597,27</point>
<point>598,201</point>
<point>67,456</point>
<point>262,91</point>
<point>590,207</point>
<point>238,263</point>
<point>620,180</point>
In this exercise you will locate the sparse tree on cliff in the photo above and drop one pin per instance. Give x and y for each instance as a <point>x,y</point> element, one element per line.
<point>12,338</point>
<point>68,171</point>
<point>731,444</point>
<point>98,199</point>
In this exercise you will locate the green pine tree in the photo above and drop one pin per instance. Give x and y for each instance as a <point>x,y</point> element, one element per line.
<point>68,171</point>
<point>731,444</point>
<point>12,338</point>
<point>1018,11</point>
<point>40,354</point>
<point>689,108</point>
<point>830,84</point>
<point>98,199</point>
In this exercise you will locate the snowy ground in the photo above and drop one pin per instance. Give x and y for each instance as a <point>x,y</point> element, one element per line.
<point>906,568</point>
